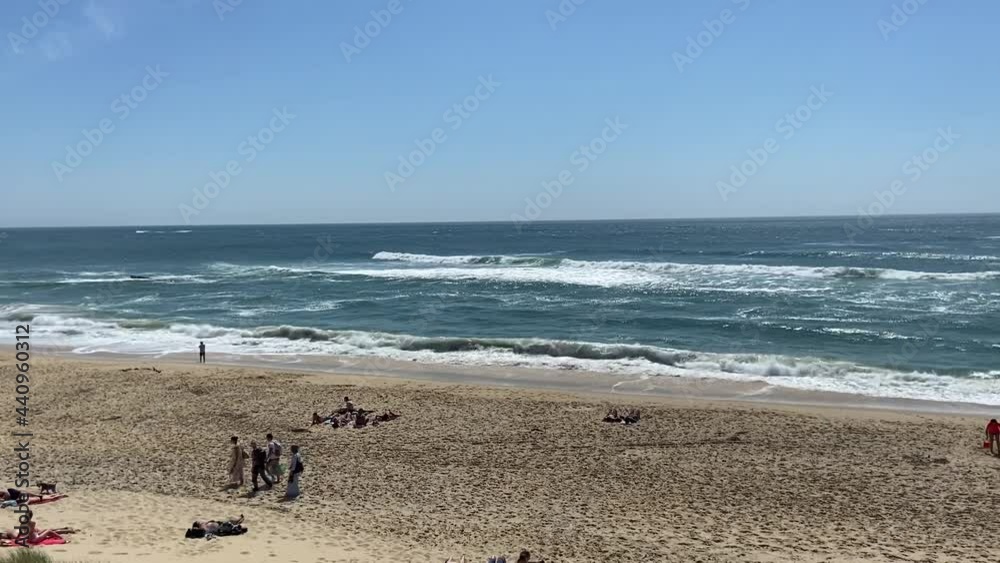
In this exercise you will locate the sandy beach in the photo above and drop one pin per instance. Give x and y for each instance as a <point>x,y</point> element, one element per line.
<point>476,470</point>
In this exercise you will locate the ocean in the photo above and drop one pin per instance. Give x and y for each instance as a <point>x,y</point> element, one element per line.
<point>904,307</point>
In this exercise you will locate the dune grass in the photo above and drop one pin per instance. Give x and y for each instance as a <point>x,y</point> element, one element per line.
<point>25,556</point>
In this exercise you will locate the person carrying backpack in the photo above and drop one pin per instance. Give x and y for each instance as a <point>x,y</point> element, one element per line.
<point>295,469</point>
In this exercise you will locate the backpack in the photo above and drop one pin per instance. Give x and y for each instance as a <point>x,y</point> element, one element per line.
<point>230,529</point>
<point>277,449</point>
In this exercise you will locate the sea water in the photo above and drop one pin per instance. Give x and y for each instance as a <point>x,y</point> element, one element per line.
<point>906,307</point>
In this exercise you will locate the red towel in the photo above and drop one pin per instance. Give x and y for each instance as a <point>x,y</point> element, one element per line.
<point>45,499</point>
<point>55,540</point>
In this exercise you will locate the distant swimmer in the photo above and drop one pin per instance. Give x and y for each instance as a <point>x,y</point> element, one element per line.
<point>139,277</point>
<point>201,352</point>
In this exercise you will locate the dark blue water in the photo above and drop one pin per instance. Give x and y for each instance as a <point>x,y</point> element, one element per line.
<point>907,308</point>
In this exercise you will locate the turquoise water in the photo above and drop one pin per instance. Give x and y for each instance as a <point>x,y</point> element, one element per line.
<point>908,308</point>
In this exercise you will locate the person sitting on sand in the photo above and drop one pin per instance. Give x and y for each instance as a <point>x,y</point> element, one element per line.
<point>525,557</point>
<point>317,419</point>
<point>347,408</point>
<point>993,435</point>
<point>360,421</point>
<point>631,417</point>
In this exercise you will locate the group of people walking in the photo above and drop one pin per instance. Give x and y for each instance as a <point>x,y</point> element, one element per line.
<point>265,464</point>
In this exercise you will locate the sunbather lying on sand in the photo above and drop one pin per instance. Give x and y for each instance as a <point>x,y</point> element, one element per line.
<point>359,418</point>
<point>200,529</point>
<point>35,535</point>
<point>17,495</point>
<point>624,416</point>
<point>524,557</point>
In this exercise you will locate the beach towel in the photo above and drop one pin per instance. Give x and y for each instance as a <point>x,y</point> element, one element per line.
<point>47,498</point>
<point>54,540</point>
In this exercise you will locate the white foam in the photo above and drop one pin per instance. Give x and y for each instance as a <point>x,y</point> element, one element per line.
<point>424,258</point>
<point>186,278</point>
<point>598,278</point>
<point>89,336</point>
<point>659,270</point>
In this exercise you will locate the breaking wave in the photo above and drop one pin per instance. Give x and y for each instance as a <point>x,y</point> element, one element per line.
<point>148,337</point>
<point>656,269</point>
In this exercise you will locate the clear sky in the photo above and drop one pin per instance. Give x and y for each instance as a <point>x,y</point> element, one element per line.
<point>313,118</point>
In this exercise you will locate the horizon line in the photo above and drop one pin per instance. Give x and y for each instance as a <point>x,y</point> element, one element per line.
<point>494,222</point>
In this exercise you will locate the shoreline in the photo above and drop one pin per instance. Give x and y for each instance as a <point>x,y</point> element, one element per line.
<point>597,384</point>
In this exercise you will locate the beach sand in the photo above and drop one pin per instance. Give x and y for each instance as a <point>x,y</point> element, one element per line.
<point>475,470</point>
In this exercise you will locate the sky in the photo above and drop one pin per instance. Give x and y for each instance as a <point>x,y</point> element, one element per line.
<point>164,112</point>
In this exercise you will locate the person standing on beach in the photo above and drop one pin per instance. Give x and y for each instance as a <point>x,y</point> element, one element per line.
<point>258,461</point>
<point>237,462</point>
<point>201,352</point>
<point>273,458</point>
<point>993,435</point>
<point>294,472</point>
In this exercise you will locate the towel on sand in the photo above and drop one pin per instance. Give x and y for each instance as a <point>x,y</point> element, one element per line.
<point>46,498</point>
<point>55,540</point>
<point>33,500</point>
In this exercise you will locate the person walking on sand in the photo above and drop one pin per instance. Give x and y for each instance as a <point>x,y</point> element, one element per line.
<point>273,458</point>
<point>237,462</point>
<point>258,461</point>
<point>201,352</point>
<point>993,435</point>
<point>294,472</point>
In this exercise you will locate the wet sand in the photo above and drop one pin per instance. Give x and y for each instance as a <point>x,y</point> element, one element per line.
<point>481,469</point>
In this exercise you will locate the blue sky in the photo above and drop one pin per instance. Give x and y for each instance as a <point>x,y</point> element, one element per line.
<point>211,75</point>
